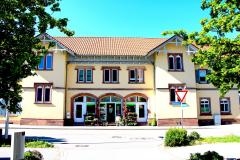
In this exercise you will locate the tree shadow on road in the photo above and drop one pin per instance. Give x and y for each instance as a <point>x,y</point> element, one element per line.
<point>43,138</point>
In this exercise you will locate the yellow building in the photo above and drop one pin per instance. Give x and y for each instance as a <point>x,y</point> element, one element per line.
<point>108,77</point>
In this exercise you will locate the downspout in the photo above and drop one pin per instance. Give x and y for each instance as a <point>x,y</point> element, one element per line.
<point>65,93</point>
<point>154,82</point>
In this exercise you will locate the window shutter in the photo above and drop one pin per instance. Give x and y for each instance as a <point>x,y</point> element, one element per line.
<point>197,75</point>
<point>208,72</point>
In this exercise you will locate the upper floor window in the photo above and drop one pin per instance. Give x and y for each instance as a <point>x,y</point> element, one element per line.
<point>225,105</point>
<point>85,74</point>
<point>205,106</point>
<point>175,62</point>
<point>46,62</point>
<point>43,92</point>
<point>172,91</point>
<point>136,74</point>
<point>201,75</point>
<point>110,74</point>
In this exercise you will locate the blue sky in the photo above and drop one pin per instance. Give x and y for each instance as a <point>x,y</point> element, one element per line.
<point>130,18</point>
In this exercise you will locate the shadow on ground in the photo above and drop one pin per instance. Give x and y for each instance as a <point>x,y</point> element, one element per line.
<point>47,139</point>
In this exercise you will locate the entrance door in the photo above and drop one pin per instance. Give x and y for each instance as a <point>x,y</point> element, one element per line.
<point>141,110</point>
<point>79,111</point>
<point>110,112</point>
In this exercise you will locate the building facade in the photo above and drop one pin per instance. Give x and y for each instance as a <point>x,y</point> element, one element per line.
<point>109,77</point>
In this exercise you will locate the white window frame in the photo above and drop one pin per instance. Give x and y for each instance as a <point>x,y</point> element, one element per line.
<point>85,80</point>
<point>226,103</point>
<point>206,104</point>
<point>46,64</point>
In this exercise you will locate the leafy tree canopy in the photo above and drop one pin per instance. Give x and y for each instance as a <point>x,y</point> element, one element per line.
<point>20,49</point>
<point>219,43</point>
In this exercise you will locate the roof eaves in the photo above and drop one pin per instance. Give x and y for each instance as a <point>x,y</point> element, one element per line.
<point>60,44</point>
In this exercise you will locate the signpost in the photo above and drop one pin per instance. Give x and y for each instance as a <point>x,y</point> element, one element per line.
<point>181,94</point>
<point>3,103</point>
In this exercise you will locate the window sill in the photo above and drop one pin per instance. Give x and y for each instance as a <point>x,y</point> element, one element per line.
<point>84,82</point>
<point>226,113</point>
<point>136,82</point>
<point>205,114</point>
<point>42,102</point>
<point>110,82</point>
<point>203,82</point>
<point>174,70</point>
<point>44,69</point>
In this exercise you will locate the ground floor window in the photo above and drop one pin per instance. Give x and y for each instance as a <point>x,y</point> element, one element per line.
<point>84,105</point>
<point>138,105</point>
<point>225,105</point>
<point>108,107</point>
<point>205,106</point>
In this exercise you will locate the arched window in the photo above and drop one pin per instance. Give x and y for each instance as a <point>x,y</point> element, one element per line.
<point>46,62</point>
<point>205,105</point>
<point>49,61</point>
<point>171,62</point>
<point>88,101</point>
<point>178,62</point>
<point>225,105</point>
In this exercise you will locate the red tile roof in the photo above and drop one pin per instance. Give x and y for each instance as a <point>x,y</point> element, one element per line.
<point>110,45</point>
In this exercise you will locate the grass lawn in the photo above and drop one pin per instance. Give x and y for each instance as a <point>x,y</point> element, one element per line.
<point>223,139</point>
<point>29,143</point>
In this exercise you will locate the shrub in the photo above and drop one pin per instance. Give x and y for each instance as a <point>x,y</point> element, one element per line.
<point>206,156</point>
<point>193,136</point>
<point>33,155</point>
<point>176,137</point>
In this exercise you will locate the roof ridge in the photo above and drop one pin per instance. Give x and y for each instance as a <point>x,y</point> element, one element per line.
<point>110,37</point>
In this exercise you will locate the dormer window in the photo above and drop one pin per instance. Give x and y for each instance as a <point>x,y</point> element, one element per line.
<point>46,62</point>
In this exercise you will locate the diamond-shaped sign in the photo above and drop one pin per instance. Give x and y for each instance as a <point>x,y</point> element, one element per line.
<point>181,94</point>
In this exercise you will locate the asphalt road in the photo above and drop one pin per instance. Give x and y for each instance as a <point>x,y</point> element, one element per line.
<point>118,142</point>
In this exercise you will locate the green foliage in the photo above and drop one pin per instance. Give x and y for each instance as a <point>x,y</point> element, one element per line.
<point>218,42</point>
<point>224,139</point>
<point>33,155</point>
<point>131,119</point>
<point>206,156</point>
<point>20,49</point>
<point>176,137</point>
<point>38,144</point>
<point>193,136</point>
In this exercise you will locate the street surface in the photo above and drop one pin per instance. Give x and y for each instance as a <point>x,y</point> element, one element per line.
<point>143,142</point>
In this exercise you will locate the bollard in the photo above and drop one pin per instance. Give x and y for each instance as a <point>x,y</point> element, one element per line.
<point>18,146</point>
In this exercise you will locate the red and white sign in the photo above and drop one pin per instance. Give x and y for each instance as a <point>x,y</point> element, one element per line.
<point>181,94</point>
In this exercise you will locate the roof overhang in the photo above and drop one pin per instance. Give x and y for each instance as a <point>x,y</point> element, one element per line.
<point>177,40</point>
<point>46,38</point>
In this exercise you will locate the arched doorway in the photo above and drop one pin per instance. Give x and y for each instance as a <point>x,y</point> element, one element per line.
<point>110,107</point>
<point>83,105</point>
<point>138,104</point>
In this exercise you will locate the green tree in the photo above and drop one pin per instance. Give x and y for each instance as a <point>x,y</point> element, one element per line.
<point>20,49</point>
<point>218,42</point>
